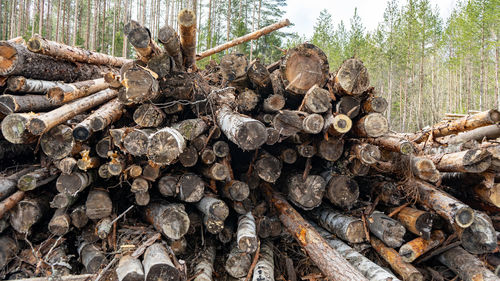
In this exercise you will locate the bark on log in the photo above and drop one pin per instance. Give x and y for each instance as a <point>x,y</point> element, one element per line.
<point>27,103</point>
<point>250,36</point>
<point>478,134</point>
<point>352,78</point>
<point>467,266</point>
<point>140,38</point>
<point>157,264</point>
<point>205,264</point>
<point>58,142</point>
<point>211,206</point>
<point>392,144</point>
<point>269,227</point>
<point>59,51</point>
<point>234,67</point>
<point>277,83</point>
<point>37,178</point>
<point>60,223</point>
<point>190,188</point>
<point>287,122</point>
<point>8,184</point>
<point>148,115</point>
<point>490,195</point>
<point>135,141</point>
<point>467,123</point>
<point>11,151</point>
<point>62,200</point>
<point>470,161</point>
<point>187,32</point>
<point>27,212</point>
<point>246,236</point>
<point>446,206</point>
<point>170,40</point>
<point>402,268</point>
<point>264,268</point>
<point>245,132</point>
<point>81,277</point>
<point>27,85</point>
<point>237,263</point>
<point>303,67</point>
<point>18,60</point>
<point>416,221</point>
<point>258,74</point>
<point>342,191</point>
<point>335,267</point>
<point>44,122</point>
<point>191,128</point>
<point>390,231</point>
<point>151,173</point>
<point>371,125</point>
<point>306,193</point>
<point>171,219</point>
<point>369,269</point>
<point>129,269</point>
<point>10,202</point>
<point>345,227</point>
<point>113,80</point>
<point>98,120</point>
<point>68,92</point>
<point>98,204</point>
<point>165,146</point>
<point>15,128</point>
<point>415,248</point>
<point>480,237</point>
<point>91,257</point>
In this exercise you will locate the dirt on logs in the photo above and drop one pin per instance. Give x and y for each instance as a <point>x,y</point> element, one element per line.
<point>155,169</point>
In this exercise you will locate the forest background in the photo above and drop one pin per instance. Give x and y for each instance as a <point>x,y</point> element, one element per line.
<point>423,64</point>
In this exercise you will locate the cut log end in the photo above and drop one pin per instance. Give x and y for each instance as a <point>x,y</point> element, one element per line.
<point>464,217</point>
<point>8,53</point>
<point>352,77</point>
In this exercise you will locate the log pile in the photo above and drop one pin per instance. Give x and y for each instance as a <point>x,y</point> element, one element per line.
<point>152,169</point>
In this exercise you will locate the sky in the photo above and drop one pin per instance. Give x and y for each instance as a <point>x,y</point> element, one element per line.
<point>303,13</point>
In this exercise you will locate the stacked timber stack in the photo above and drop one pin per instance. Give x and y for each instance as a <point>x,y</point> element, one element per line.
<point>151,169</point>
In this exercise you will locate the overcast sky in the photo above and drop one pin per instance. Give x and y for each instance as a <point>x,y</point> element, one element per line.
<point>303,13</point>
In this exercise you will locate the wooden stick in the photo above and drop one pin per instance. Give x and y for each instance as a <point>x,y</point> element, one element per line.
<point>187,32</point>
<point>335,267</point>
<point>10,202</point>
<point>251,36</point>
<point>38,44</point>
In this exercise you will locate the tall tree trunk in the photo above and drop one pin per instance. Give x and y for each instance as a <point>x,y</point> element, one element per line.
<point>497,87</point>
<point>37,6</point>
<point>49,20</point>
<point>63,3</point>
<point>143,15</point>
<point>40,22</point>
<point>20,18</point>
<point>103,37</point>
<point>75,22</point>
<point>125,20</point>
<point>253,29</point>
<point>400,105</point>
<point>209,25</point>
<point>13,19</point>
<point>421,84</point>
<point>1,22</point>
<point>114,28</point>
<point>389,93</point>
<point>68,22</point>
<point>87,31</point>
<point>228,21</point>
<point>167,11</point>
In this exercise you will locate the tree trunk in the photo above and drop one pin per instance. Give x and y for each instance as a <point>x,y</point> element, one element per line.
<point>157,264</point>
<point>467,266</point>
<point>238,263</point>
<point>469,161</point>
<point>91,256</point>
<point>27,212</point>
<point>480,237</point>
<point>171,219</point>
<point>98,120</point>
<point>140,38</point>
<point>76,21</point>
<point>306,193</point>
<point>61,51</point>
<point>335,267</point>
<point>388,230</point>
<point>165,146</point>
<point>187,27</point>
<point>60,223</point>
<point>58,142</point>
<point>26,103</point>
<point>37,66</point>
<point>416,221</point>
<point>36,179</point>
<point>98,204</point>
<point>247,133</point>
<point>342,191</point>
<point>129,269</point>
<point>246,236</point>
<point>170,40</point>
<point>371,125</point>
<point>345,227</point>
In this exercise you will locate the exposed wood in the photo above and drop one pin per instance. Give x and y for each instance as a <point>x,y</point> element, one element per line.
<point>352,78</point>
<point>264,269</point>
<point>247,133</point>
<point>237,263</point>
<point>74,183</point>
<point>416,221</point>
<point>79,217</point>
<point>258,74</point>
<point>335,267</point>
<point>91,257</point>
<point>251,36</point>
<point>68,92</point>
<point>158,265</point>
<point>171,219</point>
<point>287,122</point>
<point>129,269</point>
<point>288,155</point>
<point>247,100</point>
<point>236,190</point>
<point>317,100</point>
<point>342,191</point>
<point>58,142</point>
<point>135,141</point>
<point>480,237</point>
<point>303,67</point>
<point>306,193</point>
<point>273,103</point>
<point>337,125</point>
<point>313,124</point>
<point>268,168</point>
<point>187,34</point>
<point>415,248</point>
<point>27,212</point>
<point>15,128</point>
<point>8,250</point>
<point>165,146</point>
<point>331,149</point>
<point>148,115</point>
<point>234,67</point>
<point>170,40</point>
<point>98,204</point>
<point>60,51</point>
<point>371,125</point>
<point>140,38</point>
<point>348,105</point>
<point>190,187</point>
<point>139,84</point>
<point>36,178</point>
<point>368,154</point>
<point>375,104</point>
<point>8,184</point>
<point>60,223</point>
<point>402,268</point>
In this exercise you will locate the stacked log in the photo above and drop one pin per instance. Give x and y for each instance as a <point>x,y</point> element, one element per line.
<point>160,170</point>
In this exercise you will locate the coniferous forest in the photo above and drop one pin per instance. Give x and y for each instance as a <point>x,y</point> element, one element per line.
<point>425,65</point>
